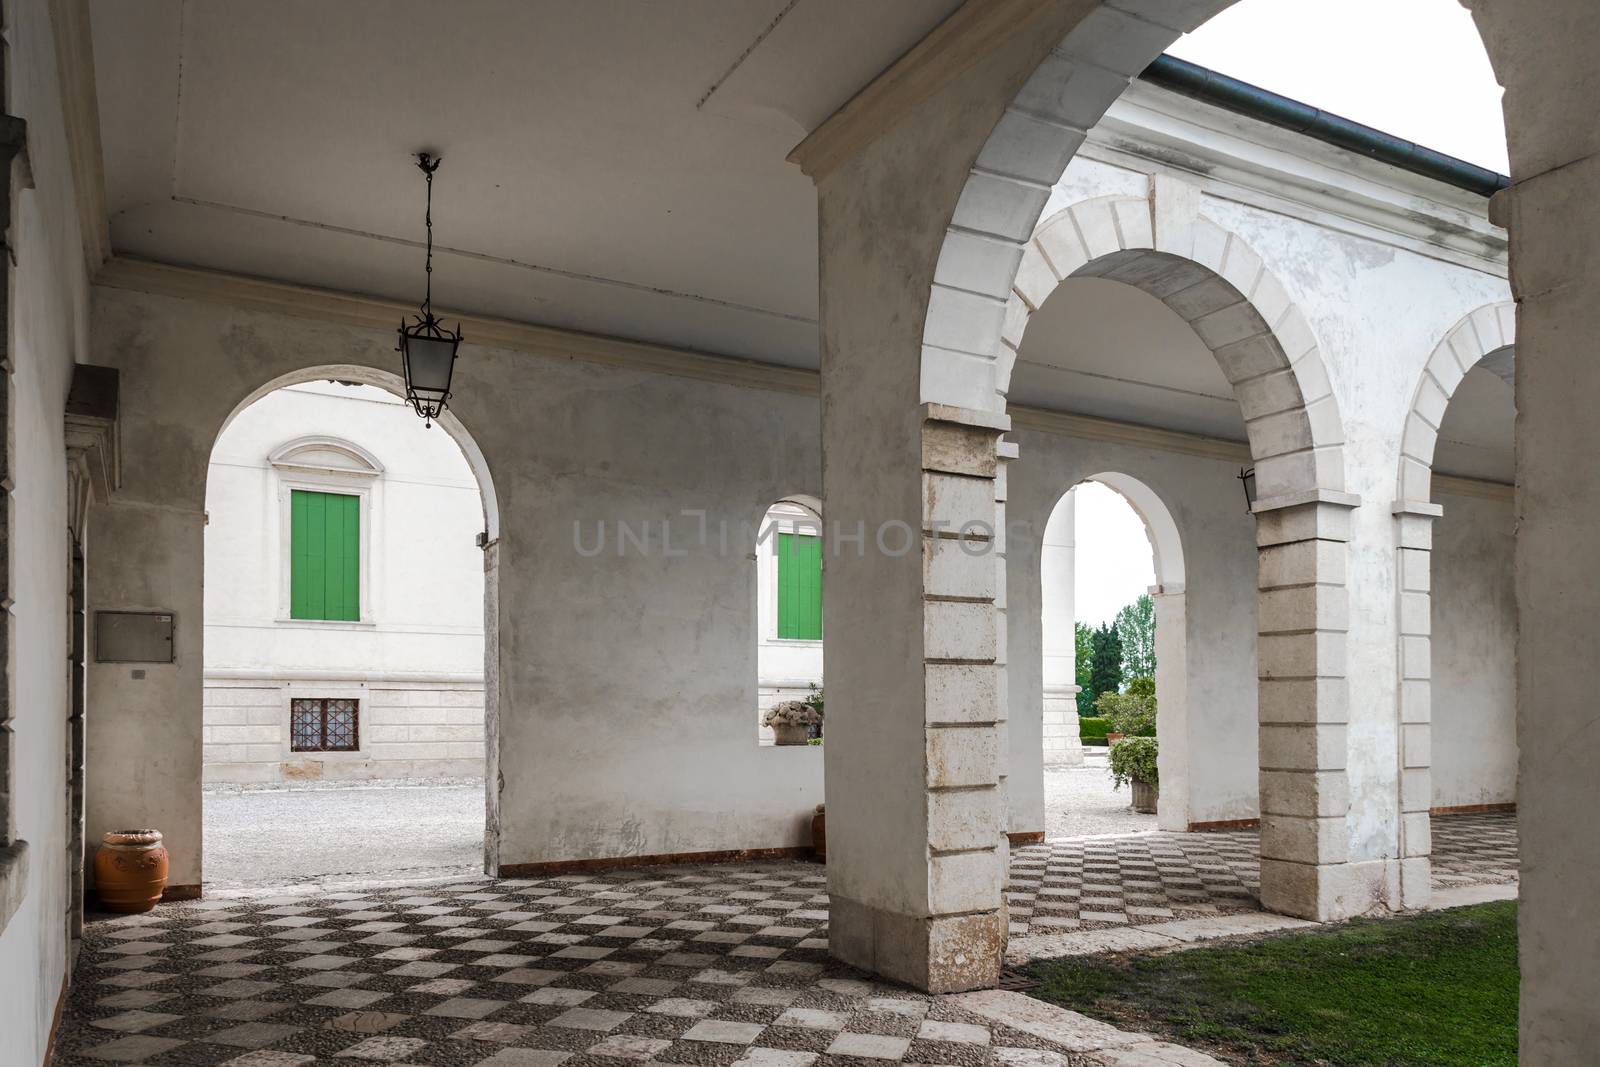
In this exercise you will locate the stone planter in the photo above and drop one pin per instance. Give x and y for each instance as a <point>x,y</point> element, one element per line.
<point>1145,796</point>
<point>819,834</point>
<point>792,734</point>
<point>130,870</point>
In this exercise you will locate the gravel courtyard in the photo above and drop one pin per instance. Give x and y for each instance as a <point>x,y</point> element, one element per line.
<point>327,834</point>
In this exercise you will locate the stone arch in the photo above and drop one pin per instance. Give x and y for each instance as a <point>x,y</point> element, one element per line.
<point>1482,335</point>
<point>1216,283</point>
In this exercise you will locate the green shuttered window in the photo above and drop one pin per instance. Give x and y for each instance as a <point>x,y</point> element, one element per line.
<point>325,556</point>
<point>799,587</point>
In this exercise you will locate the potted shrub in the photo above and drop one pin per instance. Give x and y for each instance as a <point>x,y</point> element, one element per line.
<point>791,722</point>
<point>1134,761</point>
<point>1130,714</point>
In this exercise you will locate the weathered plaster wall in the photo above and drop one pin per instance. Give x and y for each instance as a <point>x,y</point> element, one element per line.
<point>1203,496</point>
<point>1474,653</point>
<point>47,333</point>
<point>625,682</point>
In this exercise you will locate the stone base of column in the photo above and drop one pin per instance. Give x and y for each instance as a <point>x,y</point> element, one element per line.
<point>935,954</point>
<point>1063,747</point>
<point>1330,892</point>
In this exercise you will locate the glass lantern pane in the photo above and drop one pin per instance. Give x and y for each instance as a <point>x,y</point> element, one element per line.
<point>429,362</point>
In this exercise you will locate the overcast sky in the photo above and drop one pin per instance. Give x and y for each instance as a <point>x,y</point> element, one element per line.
<point>1413,68</point>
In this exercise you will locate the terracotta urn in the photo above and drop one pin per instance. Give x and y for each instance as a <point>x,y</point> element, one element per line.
<point>819,834</point>
<point>130,870</point>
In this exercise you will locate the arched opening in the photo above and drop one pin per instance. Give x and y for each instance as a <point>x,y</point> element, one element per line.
<point>788,560</point>
<point>1112,572</point>
<point>349,697</point>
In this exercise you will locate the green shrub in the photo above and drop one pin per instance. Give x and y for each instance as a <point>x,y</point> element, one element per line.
<point>1144,686</point>
<point>1131,714</point>
<point>1134,757</point>
<point>1092,729</point>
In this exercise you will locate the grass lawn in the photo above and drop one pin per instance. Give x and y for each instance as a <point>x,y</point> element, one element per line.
<point>1438,990</point>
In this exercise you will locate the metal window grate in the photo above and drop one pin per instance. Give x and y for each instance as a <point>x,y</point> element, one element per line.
<point>324,725</point>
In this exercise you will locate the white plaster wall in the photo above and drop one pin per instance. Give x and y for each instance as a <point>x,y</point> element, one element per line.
<point>1474,653</point>
<point>47,333</point>
<point>625,682</point>
<point>1203,496</point>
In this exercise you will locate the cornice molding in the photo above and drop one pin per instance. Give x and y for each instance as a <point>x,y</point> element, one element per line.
<point>1450,485</point>
<point>971,32</point>
<point>80,110</point>
<point>349,309</point>
<point>1133,434</point>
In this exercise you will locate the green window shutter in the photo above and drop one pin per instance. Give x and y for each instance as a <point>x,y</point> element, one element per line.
<point>324,556</point>
<point>799,587</point>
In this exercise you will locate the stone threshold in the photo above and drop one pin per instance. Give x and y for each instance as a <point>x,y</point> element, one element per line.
<point>1079,1033</point>
<point>1188,933</point>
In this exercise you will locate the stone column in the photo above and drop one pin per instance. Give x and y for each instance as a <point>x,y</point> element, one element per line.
<point>1062,746</point>
<point>1005,452</point>
<point>1172,704</point>
<point>1413,583</point>
<point>1304,705</point>
<point>916,877</point>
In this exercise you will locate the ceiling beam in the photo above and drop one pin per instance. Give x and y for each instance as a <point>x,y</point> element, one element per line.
<point>80,110</point>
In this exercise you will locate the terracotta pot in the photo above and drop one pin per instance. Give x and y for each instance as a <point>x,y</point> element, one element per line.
<point>819,834</point>
<point>130,870</point>
<point>1112,739</point>
<point>793,734</point>
<point>1145,797</point>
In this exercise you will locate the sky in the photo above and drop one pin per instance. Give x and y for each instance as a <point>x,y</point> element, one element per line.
<point>1113,565</point>
<point>1413,68</point>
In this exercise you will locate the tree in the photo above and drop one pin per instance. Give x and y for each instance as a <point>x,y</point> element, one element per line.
<point>1136,628</point>
<point>1105,669</point>
<point>1084,637</point>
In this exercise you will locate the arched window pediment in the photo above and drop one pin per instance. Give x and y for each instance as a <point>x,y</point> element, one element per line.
<point>328,455</point>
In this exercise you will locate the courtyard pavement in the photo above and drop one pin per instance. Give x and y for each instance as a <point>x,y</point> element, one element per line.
<point>1080,800</point>
<point>703,965</point>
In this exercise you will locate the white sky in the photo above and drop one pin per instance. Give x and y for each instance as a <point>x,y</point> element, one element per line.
<point>1113,564</point>
<point>1413,68</point>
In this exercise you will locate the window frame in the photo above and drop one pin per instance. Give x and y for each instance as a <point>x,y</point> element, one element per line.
<point>324,701</point>
<point>327,465</point>
<point>767,555</point>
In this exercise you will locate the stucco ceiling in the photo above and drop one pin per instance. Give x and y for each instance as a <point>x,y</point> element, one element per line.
<point>1103,348</point>
<point>611,165</point>
<point>1475,440</point>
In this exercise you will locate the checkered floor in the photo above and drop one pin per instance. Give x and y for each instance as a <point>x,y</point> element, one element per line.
<point>1101,882</point>
<point>710,966</point>
<point>687,965</point>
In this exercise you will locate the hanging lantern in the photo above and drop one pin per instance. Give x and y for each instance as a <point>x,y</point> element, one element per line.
<point>426,348</point>
<point>1247,478</point>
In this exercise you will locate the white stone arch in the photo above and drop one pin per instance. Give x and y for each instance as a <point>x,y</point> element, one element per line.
<point>325,452</point>
<point>1487,334</point>
<point>1216,283</point>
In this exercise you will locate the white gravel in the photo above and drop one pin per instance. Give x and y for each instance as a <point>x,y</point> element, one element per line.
<point>1079,801</point>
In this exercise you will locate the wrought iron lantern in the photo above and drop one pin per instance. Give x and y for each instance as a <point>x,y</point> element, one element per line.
<point>1247,478</point>
<point>427,349</point>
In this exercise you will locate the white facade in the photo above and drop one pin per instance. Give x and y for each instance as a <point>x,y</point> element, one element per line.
<point>788,668</point>
<point>413,660</point>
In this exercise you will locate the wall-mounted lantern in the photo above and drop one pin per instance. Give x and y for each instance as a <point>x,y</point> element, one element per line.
<point>427,349</point>
<point>1247,478</point>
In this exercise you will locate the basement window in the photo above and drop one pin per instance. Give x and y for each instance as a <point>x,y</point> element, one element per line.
<point>324,725</point>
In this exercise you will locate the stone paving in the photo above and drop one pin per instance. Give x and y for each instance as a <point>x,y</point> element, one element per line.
<point>711,966</point>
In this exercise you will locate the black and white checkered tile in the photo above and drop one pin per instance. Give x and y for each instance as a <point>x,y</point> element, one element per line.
<point>688,965</point>
<point>712,966</point>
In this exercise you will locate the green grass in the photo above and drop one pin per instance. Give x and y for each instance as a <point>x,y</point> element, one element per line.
<point>1435,990</point>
